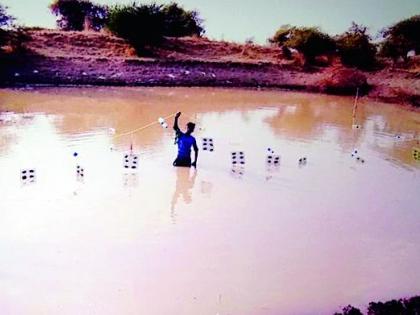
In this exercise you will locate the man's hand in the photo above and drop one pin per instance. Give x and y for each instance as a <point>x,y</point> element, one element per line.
<point>194,164</point>
<point>176,128</point>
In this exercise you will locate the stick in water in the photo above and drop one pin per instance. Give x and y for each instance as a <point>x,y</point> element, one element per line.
<point>355,105</point>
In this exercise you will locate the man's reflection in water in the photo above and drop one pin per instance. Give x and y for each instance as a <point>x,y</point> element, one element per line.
<point>185,180</point>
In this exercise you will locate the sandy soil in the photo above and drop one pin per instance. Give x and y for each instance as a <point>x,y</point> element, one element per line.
<point>91,58</point>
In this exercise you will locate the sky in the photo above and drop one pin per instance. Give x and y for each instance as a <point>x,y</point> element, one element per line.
<point>239,20</point>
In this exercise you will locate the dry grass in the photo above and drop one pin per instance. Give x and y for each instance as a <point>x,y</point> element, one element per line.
<point>203,49</point>
<point>54,43</point>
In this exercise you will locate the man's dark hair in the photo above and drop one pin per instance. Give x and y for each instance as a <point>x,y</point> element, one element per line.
<point>191,125</point>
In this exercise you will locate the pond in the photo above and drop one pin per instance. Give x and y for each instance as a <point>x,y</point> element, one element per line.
<point>339,227</point>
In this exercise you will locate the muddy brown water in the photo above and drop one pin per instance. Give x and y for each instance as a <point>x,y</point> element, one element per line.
<point>292,239</point>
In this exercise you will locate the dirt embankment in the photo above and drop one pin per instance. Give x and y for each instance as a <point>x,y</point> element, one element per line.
<point>56,57</point>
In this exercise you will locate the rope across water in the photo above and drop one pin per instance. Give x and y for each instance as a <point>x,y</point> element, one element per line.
<point>142,128</point>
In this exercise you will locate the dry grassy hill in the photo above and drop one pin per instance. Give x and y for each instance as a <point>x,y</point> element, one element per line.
<point>98,58</point>
<point>54,43</point>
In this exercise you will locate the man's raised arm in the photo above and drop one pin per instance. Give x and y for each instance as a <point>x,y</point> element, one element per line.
<point>176,127</point>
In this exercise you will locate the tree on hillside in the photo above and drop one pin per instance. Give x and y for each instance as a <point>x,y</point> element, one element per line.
<point>179,22</point>
<point>389,307</point>
<point>401,38</point>
<point>6,21</point>
<point>309,41</point>
<point>402,306</point>
<point>355,47</point>
<point>147,24</point>
<point>72,14</point>
<point>350,310</point>
<point>282,35</point>
<point>141,25</point>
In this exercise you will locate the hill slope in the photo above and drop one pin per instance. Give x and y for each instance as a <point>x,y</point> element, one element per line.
<point>54,43</point>
<point>58,57</point>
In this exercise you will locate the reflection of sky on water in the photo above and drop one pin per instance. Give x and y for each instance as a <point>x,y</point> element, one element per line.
<point>207,240</point>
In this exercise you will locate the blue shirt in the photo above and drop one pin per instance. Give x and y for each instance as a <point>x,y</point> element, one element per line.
<point>185,142</point>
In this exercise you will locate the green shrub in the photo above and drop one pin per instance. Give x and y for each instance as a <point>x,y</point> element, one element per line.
<point>355,48</point>
<point>71,14</point>
<point>309,41</point>
<point>401,37</point>
<point>282,35</point>
<point>147,25</point>
<point>179,22</point>
<point>141,25</point>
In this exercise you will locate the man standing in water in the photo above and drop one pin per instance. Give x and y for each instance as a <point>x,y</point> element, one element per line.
<point>185,142</point>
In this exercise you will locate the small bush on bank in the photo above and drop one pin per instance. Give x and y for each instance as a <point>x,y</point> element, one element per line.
<point>355,48</point>
<point>344,81</point>
<point>309,41</point>
<point>73,14</point>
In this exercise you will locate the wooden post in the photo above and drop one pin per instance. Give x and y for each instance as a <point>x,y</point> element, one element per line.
<point>355,106</point>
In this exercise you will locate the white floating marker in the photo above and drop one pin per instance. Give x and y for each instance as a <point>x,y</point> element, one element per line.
<point>130,161</point>
<point>238,164</point>
<point>162,122</point>
<point>273,159</point>
<point>303,160</point>
<point>355,126</point>
<point>80,173</point>
<point>356,155</point>
<point>238,158</point>
<point>208,144</point>
<point>28,176</point>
